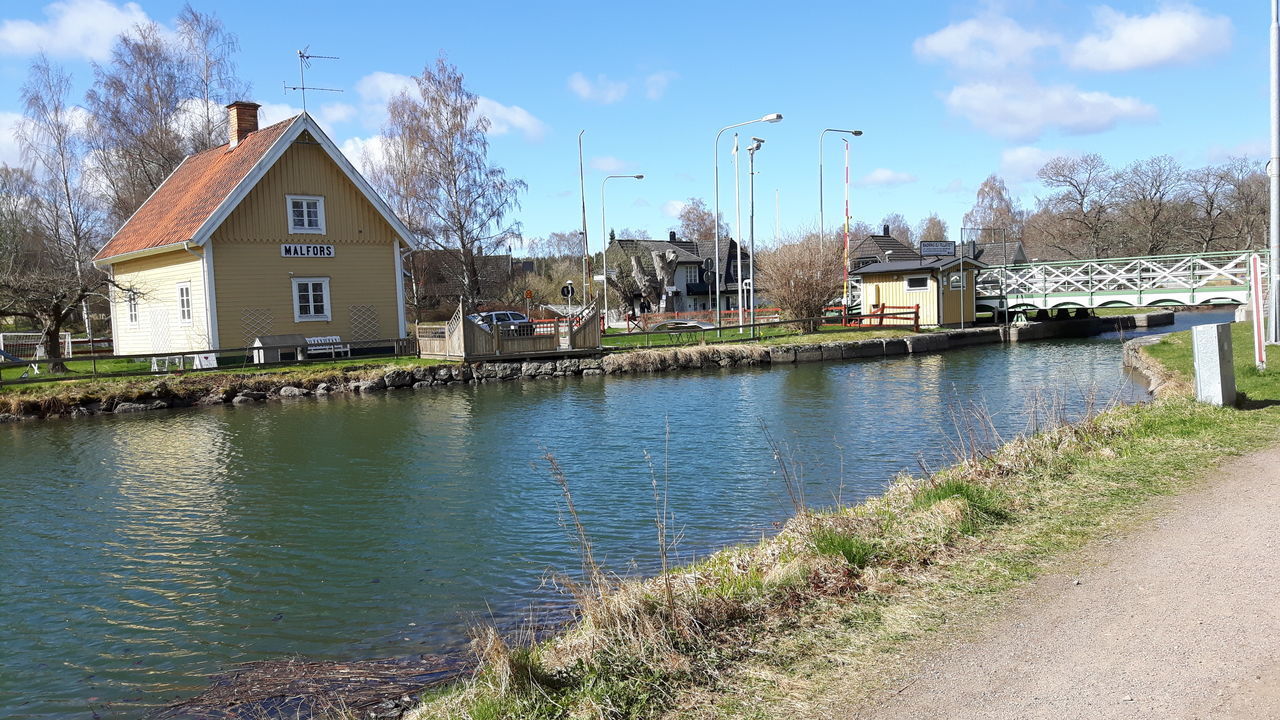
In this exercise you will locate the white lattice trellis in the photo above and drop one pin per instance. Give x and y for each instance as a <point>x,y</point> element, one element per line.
<point>364,322</point>
<point>256,322</point>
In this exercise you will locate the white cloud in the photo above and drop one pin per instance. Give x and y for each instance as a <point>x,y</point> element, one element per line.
<point>1172,34</point>
<point>74,28</point>
<point>505,118</point>
<point>1023,111</point>
<point>642,203</point>
<point>334,113</point>
<point>362,151</point>
<point>1020,164</point>
<point>955,186</point>
<point>377,88</point>
<point>608,164</point>
<point>655,85</point>
<point>885,176</point>
<point>272,113</point>
<point>1256,149</point>
<point>10,150</point>
<point>991,42</point>
<point>672,208</point>
<point>602,90</point>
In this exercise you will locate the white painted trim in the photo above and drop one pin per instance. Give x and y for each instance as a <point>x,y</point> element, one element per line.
<point>328,300</point>
<point>301,123</point>
<point>210,298</point>
<point>395,250</point>
<point>288,214</point>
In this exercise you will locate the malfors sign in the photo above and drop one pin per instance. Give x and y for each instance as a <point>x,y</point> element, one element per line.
<point>301,250</point>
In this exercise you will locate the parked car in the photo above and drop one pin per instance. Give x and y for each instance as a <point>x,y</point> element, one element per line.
<point>509,321</point>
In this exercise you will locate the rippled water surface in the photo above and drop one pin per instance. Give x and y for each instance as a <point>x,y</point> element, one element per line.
<point>140,554</point>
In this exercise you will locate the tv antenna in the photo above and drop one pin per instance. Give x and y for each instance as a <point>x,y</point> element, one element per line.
<point>304,62</point>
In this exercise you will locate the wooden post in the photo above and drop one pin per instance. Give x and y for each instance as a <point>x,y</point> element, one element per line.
<point>916,317</point>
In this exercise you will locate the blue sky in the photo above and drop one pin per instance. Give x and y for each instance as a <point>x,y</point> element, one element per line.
<point>946,92</point>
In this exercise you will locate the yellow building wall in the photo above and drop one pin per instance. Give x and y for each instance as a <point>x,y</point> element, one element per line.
<point>253,282</point>
<point>891,289</point>
<point>959,306</point>
<point>159,327</point>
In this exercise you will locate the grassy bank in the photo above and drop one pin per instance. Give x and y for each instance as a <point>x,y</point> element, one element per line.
<point>811,620</point>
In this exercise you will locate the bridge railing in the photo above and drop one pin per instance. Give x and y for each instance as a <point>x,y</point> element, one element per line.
<point>1131,274</point>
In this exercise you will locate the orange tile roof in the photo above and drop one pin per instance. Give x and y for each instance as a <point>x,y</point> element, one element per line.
<point>177,209</point>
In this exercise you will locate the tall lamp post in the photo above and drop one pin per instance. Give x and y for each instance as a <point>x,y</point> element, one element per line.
<point>771,118</point>
<point>1273,170</point>
<point>604,239</point>
<point>822,228</point>
<point>756,144</point>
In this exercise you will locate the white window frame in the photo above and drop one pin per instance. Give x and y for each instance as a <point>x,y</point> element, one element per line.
<point>131,307</point>
<point>957,275</point>
<point>906,282</point>
<point>288,214</point>
<point>185,312</point>
<point>297,307</point>
<point>690,274</point>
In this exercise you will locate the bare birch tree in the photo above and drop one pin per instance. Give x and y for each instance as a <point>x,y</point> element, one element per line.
<point>995,214</point>
<point>50,278</point>
<point>434,166</point>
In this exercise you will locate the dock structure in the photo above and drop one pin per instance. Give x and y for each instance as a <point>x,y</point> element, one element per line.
<point>1213,278</point>
<point>462,338</point>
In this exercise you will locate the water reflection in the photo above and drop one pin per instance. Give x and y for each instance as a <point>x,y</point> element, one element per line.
<point>142,553</point>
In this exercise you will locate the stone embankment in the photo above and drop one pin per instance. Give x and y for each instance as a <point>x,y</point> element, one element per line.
<point>250,390</point>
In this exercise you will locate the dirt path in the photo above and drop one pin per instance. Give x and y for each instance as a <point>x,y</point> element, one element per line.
<point>1180,619</point>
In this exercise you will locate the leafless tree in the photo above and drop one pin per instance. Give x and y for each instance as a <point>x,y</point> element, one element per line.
<point>1249,203</point>
<point>1207,194</point>
<point>1149,196</point>
<point>557,244</point>
<point>698,223</point>
<point>435,168</point>
<point>995,213</point>
<point>899,228</point>
<point>49,279</point>
<point>1078,219</point>
<point>158,100</point>
<point>932,229</point>
<point>801,276</point>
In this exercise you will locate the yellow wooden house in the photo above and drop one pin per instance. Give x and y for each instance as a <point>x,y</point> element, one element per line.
<point>943,287</point>
<point>274,233</point>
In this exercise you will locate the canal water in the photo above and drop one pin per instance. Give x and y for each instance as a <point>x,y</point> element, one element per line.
<point>140,554</point>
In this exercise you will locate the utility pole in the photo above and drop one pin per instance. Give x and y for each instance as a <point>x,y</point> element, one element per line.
<point>1273,172</point>
<point>582,190</point>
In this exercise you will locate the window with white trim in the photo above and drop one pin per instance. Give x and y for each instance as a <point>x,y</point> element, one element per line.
<point>306,214</point>
<point>956,281</point>
<point>690,274</point>
<point>917,283</point>
<point>184,303</point>
<point>131,305</point>
<point>310,299</point>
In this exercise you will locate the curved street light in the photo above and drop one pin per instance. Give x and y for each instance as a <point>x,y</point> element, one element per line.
<point>604,239</point>
<point>770,118</point>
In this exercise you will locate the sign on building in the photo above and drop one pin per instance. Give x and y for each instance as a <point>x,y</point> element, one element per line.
<point>937,248</point>
<point>306,250</point>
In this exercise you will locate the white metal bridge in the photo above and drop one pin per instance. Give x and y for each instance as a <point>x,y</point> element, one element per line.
<point>1199,279</point>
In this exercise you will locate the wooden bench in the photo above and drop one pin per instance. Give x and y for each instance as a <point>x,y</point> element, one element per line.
<point>331,344</point>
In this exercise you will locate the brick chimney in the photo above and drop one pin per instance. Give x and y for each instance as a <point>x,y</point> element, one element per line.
<point>242,119</point>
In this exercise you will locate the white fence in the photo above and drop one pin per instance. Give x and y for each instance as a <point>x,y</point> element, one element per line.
<point>27,346</point>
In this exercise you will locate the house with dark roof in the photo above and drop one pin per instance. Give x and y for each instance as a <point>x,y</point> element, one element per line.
<point>943,288</point>
<point>273,233</point>
<point>693,284</point>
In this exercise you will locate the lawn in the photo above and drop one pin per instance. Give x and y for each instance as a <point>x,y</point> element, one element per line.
<point>1174,352</point>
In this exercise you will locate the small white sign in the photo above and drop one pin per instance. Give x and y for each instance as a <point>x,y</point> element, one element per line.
<point>306,250</point>
<point>937,248</point>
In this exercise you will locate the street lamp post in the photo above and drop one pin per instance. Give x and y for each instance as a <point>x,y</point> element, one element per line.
<point>1273,170</point>
<point>771,118</point>
<point>604,238</point>
<point>756,144</point>
<point>822,228</point>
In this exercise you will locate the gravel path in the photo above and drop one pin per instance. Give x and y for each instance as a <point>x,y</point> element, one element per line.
<point>1180,619</point>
